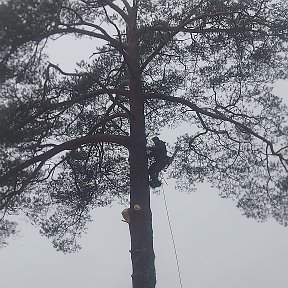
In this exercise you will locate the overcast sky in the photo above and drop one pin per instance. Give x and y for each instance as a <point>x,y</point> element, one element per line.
<point>217,246</point>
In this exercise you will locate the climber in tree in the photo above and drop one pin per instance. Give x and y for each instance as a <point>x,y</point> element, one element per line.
<point>158,155</point>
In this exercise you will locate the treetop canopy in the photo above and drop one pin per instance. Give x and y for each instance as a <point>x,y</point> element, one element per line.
<point>66,135</point>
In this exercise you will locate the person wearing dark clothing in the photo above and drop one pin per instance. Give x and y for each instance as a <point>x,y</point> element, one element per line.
<point>158,155</point>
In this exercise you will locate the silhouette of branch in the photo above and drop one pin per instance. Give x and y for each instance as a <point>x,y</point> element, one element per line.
<point>220,116</point>
<point>69,145</point>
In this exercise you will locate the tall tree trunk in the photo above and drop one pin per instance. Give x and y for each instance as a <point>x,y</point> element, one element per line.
<point>142,252</point>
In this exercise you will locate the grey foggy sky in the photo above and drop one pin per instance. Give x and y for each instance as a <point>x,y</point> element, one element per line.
<point>217,246</point>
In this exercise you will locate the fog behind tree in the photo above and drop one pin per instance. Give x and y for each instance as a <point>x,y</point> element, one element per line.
<point>72,141</point>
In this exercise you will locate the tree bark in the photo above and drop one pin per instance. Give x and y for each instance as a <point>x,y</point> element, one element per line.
<point>142,252</point>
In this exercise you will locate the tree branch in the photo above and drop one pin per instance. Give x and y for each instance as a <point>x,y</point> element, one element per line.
<point>68,103</point>
<point>213,115</point>
<point>107,119</point>
<point>126,4</point>
<point>187,20</point>
<point>198,30</point>
<point>69,145</point>
<point>117,8</point>
<point>69,29</point>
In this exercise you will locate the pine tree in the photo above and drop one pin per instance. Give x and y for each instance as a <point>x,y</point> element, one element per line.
<point>72,141</point>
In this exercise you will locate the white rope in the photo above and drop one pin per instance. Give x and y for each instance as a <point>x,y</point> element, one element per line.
<point>172,237</point>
